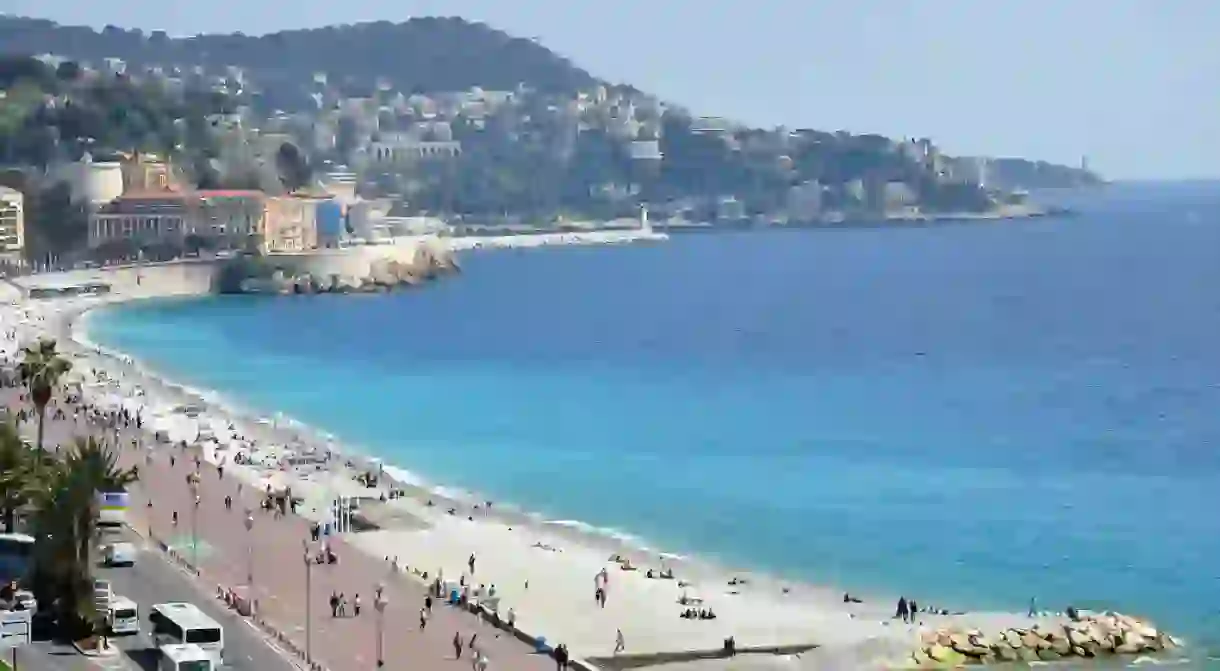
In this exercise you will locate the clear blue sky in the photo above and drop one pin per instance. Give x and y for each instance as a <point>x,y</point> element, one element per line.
<point>1133,84</point>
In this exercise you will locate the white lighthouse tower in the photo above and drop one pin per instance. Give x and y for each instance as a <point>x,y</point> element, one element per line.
<point>645,226</point>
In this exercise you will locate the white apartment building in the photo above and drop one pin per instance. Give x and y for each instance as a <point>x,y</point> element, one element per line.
<point>12,221</point>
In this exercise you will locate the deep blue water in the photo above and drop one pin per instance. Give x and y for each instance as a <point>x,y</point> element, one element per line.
<point>967,414</point>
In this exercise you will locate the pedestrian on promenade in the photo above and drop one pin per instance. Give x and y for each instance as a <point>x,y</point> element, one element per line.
<point>423,618</point>
<point>175,518</point>
<point>474,644</point>
<point>561,657</point>
<point>334,605</point>
<point>428,603</point>
<point>480,663</point>
<point>620,644</point>
<point>356,605</point>
<point>457,645</point>
<point>470,562</point>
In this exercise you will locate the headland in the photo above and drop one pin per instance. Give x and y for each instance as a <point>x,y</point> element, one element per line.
<point>545,572</point>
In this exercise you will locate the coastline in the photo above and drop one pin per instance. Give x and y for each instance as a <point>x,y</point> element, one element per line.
<point>807,613</point>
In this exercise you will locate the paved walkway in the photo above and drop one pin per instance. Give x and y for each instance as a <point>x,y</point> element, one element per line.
<point>280,575</point>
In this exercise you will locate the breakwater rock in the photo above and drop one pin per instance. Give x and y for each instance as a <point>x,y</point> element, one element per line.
<point>350,270</point>
<point>1084,636</point>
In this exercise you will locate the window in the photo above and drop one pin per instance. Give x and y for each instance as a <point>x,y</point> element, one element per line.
<point>124,613</point>
<point>197,665</point>
<point>203,636</point>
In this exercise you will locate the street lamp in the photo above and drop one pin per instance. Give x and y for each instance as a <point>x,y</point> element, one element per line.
<point>308,602</point>
<point>249,521</point>
<point>380,601</point>
<point>195,526</point>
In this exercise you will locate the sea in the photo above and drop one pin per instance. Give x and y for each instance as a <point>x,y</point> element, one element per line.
<point>968,414</point>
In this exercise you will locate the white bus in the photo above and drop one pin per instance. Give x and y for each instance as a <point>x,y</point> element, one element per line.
<point>112,509</point>
<point>185,657</point>
<point>123,616</point>
<point>180,623</point>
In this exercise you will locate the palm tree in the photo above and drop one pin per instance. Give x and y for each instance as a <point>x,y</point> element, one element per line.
<point>41,369</point>
<point>15,472</point>
<point>66,531</point>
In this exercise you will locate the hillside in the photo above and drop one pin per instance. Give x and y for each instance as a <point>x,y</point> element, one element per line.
<point>423,54</point>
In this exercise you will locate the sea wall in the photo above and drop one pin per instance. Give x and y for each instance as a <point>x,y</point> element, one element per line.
<point>1087,636</point>
<point>188,277</point>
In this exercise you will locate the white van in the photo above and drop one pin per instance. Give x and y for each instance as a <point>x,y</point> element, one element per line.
<point>123,616</point>
<point>120,554</point>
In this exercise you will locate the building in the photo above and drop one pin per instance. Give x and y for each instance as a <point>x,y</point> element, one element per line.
<point>146,172</point>
<point>805,202</point>
<point>291,224</point>
<point>230,217</point>
<point>12,221</point>
<point>155,217</point>
<point>330,223</point>
<point>93,183</point>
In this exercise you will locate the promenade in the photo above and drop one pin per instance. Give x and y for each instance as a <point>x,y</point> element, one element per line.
<point>275,550</point>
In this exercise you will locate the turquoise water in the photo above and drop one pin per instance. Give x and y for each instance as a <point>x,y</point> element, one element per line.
<point>970,415</point>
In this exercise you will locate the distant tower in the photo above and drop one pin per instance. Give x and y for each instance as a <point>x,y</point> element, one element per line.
<point>1084,164</point>
<point>645,225</point>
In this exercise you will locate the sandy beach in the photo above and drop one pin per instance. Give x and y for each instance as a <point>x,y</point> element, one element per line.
<point>544,574</point>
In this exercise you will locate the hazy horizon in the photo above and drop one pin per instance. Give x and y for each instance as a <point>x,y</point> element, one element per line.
<point>1129,86</point>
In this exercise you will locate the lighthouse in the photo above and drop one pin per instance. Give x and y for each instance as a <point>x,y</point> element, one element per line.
<point>644,225</point>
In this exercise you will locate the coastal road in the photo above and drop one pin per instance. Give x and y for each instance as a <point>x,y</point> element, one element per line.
<point>154,580</point>
<point>226,552</point>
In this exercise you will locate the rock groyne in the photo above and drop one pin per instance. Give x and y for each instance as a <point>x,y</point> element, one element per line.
<point>1086,636</point>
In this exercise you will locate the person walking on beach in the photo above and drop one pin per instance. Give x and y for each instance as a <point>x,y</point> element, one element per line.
<point>619,643</point>
<point>903,610</point>
<point>1033,606</point>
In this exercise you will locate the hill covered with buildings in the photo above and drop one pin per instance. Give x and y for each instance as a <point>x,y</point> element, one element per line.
<point>432,124</point>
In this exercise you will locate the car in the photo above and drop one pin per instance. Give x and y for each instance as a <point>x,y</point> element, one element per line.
<point>119,554</point>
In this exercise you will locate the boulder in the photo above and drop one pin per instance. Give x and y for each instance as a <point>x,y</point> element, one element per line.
<point>1080,652</point>
<point>1028,655</point>
<point>1131,644</point>
<point>1005,653</point>
<point>1061,646</point>
<point>1048,655</point>
<point>946,656</point>
<point>1032,640</point>
<point>1078,637</point>
<point>1013,639</point>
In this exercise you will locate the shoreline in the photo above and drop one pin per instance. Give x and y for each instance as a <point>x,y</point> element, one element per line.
<point>811,614</point>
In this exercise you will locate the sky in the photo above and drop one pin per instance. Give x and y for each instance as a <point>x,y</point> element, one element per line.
<point>1134,85</point>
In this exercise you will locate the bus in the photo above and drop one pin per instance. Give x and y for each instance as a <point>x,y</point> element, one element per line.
<point>180,623</point>
<point>16,557</point>
<point>185,657</point>
<point>112,509</point>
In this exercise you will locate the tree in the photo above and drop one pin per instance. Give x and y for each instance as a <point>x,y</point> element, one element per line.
<point>65,532</point>
<point>41,369</point>
<point>14,474</point>
<point>293,168</point>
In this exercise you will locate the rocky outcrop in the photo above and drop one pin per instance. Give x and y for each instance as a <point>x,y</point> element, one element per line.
<point>1085,636</point>
<point>355,270</point>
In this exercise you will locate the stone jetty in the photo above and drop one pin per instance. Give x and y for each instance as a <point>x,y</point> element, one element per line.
<point>1087,635</point>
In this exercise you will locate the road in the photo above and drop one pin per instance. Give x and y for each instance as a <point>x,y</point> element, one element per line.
<point>153,580</point>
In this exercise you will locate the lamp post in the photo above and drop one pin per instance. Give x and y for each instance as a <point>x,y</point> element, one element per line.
<point>249,521</point>
<point>195,525</point>
<point>380,601</point>
<point>308,602</point>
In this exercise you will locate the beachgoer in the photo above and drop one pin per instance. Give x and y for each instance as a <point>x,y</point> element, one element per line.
<point>914,609</point>
<point>619,643</point>
<point>1033,606</point>
<point>903,610</point>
